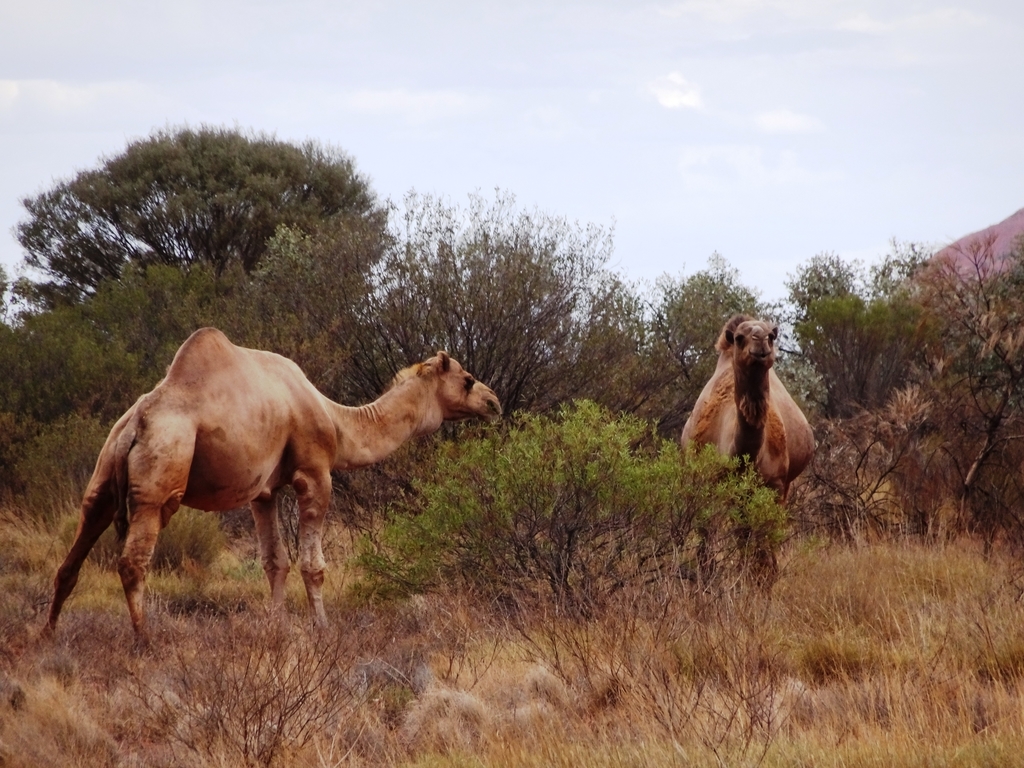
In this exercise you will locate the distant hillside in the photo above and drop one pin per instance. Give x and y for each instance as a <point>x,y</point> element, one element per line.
<point>1003,236</point>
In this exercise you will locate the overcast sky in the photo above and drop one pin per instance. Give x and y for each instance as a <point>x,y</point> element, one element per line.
<point>765,130</point>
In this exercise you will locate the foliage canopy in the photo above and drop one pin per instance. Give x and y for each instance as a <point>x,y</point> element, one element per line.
<point>179,198</point>
<point>569,510</point>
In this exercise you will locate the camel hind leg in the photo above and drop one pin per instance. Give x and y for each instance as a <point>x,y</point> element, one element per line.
<point>145,521</point>
<point>97,513</point>
<point>158,470</point>
<point>273,553</point>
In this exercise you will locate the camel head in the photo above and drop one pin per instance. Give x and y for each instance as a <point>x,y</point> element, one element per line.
<point>460,395</point>
<point>752,341</point>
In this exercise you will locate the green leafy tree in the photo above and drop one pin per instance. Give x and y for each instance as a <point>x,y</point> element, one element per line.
<point>861,332</point>
<point>5,287</point>
<point>56,363</point>
<point>303,301</point>
<point>519,298</point>
<point>825,276</point>
<point>88,362</point>
<point>862,349</point>
<point>183,197</point>
<point>977,300</point>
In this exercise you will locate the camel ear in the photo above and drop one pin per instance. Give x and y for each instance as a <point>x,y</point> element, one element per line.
<point>446,362</point>
<point>729,337</point>
<point>774,334</point>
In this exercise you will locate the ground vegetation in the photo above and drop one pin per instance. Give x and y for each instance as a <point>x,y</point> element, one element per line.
<point>564,587</point>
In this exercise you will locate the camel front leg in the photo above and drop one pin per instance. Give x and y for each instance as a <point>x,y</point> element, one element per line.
<point>273,553</point>
<point>313,492</point>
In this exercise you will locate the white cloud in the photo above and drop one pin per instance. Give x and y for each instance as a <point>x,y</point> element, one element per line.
<point>732,11</point>
<point>940,18</point>
<point>714,10</point>
<point>786,121</point>
<point>865,24</point>
<point>549,121</point>
<point>674,92</point>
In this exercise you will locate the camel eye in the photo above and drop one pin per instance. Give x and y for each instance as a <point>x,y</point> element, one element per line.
<point>469,383</point>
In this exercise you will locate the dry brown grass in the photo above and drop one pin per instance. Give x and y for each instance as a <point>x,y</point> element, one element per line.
<point>884,655</point>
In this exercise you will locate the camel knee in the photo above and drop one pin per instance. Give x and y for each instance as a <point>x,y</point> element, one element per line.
<point>63,583</point>
<point>275,568</point>
<point>132,572</point>
<point>273,555</point>
<point>314,580</point>
<point>277,574</point>
<point>313,577</point>
<point>133,576</point>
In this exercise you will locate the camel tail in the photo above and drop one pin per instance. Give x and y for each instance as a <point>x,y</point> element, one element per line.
<point>119,481</point>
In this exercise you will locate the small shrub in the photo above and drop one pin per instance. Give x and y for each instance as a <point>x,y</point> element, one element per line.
<point>190,535</point>
<point>57,465</point>
<point>54,726</point>
<point>251,693</point>
<point>569,510</point>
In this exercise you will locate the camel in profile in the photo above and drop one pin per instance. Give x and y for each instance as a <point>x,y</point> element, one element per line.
<point>229,426</point>
<point>744,410</point>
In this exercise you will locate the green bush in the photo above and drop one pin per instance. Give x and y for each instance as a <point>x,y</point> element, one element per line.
<point>190,535</point>
<point>56,465</point>
<point>569,510</point>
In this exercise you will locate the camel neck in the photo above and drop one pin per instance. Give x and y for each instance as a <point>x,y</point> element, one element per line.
<point>372,432</point>
<point>752,394</point>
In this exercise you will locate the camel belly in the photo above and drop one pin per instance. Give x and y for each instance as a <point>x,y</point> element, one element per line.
<point>224,476</point>
<point>212,496</point>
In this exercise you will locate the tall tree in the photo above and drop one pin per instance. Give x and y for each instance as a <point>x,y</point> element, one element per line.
<point>978,298</point>
<point>862,333</point>
<point>509,293</point>
<point>180,197</point>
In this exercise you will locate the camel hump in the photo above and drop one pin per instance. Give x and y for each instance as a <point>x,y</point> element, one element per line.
<point>206,351</point>
<point>203,342</point>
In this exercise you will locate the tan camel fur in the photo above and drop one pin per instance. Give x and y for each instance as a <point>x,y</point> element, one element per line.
<point>744,410</point>
<point>229,426</point>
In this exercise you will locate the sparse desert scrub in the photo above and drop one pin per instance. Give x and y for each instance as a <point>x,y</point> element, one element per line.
<point>882,655</point>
